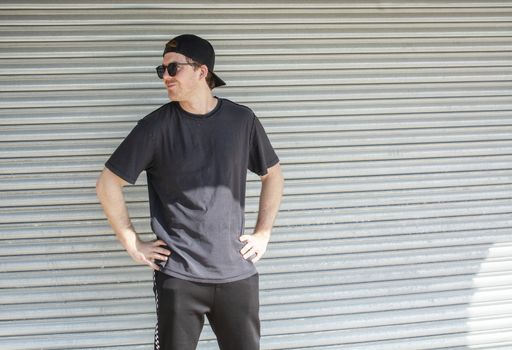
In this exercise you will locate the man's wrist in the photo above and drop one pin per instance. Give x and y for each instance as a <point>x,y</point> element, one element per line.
<point>263,233</point>
<point>129,240</point>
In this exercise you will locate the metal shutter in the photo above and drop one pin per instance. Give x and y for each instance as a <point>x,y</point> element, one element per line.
<point>394,126</point>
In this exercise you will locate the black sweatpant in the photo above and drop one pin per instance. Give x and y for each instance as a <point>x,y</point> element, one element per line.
<point>232,309</point>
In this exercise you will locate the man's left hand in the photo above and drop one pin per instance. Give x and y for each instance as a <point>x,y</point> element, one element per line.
<point>255,246</point>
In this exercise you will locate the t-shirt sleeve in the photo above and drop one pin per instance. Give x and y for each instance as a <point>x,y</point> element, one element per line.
<point>261,154</point>
<point>134,154</point>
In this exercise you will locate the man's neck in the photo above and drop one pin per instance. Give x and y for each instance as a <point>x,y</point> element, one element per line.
<point>200,106</point>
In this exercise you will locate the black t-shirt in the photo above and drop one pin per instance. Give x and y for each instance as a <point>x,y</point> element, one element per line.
<point>196,168</point>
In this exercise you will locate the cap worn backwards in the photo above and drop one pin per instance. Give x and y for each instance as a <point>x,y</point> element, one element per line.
<point>197,49</point>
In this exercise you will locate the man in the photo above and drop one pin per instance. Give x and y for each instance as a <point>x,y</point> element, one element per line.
<point>196,151</point>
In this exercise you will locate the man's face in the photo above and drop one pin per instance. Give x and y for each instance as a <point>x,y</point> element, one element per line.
<point>182,86</point>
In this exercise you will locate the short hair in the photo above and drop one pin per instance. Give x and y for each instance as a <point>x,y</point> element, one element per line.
<point>209,77</point>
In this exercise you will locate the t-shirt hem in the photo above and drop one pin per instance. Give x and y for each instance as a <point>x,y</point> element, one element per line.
<point>207,280</point>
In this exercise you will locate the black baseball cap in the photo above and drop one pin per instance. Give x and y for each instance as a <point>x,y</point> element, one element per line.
<point>197,49</point>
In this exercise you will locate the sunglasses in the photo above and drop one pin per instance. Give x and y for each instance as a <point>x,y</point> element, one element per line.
<point>172,68</point>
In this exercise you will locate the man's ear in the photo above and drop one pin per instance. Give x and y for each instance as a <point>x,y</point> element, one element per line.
<point>204,71</point>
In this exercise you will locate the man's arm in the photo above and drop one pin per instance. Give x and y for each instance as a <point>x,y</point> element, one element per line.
<point>109,189</point>
<point>270,199</point>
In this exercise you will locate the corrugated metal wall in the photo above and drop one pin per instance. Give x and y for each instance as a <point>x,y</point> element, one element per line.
<point>393,120</point>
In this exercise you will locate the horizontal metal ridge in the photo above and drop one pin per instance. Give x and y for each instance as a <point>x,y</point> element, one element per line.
<point>301,108</point>
<point>269,296</point>
<point>281,233</point>
<point>463,303</point>
<point>335,147</point>
<point>267,94</point>
<point>309,200</point>
<point>142,78</point>
<point>365,5</point>
<point>247,31</point>
<point>316,260</point>
<point>279,247</point>
<point>271,280</point>
<point>83,63</point>
<point>337,120</point>
<point>391,338</point>
<point>80,340</point>
<point>210,16</point>
<point>407,336</point>
<point>84,180</point>
<point>107,135</point>
<point>327,214</point>
<point>474,315</point>
<point>287,46</point>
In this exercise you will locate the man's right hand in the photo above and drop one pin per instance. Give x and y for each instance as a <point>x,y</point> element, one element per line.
<point>148,252</point>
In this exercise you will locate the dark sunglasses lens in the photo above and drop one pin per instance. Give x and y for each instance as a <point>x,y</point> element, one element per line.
<point>172,69</point>
<point>160,71</point>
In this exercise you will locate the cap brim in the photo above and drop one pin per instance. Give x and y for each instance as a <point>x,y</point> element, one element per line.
<point>218,81</point>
